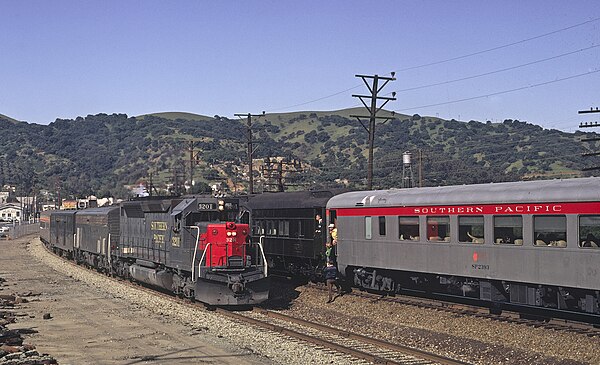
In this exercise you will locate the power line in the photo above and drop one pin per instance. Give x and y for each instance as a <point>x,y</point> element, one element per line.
<point>496,71</point>
<point>315,100</point>
<point>498,47</point>
<point>501,92</point>
<point>445,61</point>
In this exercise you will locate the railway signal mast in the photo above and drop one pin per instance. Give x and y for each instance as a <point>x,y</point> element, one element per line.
<point>373,109</point>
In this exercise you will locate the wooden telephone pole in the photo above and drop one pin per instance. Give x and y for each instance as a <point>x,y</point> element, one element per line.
<point>250,147</point>
<point>373,109</point>
<point>589,125</point>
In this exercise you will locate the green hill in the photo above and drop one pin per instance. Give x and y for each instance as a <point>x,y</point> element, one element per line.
<point>99,154</point>
<point>5,118</point>
<point>177,115</point>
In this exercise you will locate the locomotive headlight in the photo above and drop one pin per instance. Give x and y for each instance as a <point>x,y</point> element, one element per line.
<point>234,234</point>
<point>228,234</point>
<point>221,202</point>
<point>221,208</point>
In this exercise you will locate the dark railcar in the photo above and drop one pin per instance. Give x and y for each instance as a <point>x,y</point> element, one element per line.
<point>97,233</point>
<point>62,231</point>
<point>286,225</point>
<point>45,226</point>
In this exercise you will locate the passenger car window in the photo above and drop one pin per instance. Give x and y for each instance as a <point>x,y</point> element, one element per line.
<point>589,231</point>
<point>550,230</point>
<point>438,229</point>
<point>381,225</point>
<point>508,229</point>
<point>470,229</point>
<point>408,228</point>
<point>284,228</point>
<point>368,228</point>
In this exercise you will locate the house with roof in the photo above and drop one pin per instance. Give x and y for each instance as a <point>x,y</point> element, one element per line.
<point>11,212</point>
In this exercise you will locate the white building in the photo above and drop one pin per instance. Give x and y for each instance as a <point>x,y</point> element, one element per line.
<point>11,212</point>
<point>3,196</point>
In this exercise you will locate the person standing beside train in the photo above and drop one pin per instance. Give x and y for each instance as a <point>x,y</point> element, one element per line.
<point>331,278</point>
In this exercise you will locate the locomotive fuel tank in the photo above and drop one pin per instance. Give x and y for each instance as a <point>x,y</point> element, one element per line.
<point>152,276</point>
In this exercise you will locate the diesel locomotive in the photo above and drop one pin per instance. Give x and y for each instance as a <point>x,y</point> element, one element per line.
<point>192,246</point>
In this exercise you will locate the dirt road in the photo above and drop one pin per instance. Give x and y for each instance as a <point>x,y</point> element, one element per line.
<point>89,326</point>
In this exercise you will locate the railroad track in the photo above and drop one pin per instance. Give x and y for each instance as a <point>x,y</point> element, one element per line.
<point>355,347</point>
<point>343,342</point>
<point>475,311</point>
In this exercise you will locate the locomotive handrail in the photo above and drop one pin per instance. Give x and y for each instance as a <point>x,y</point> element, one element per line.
<point>195,252</point>
<point>108,251</point>
<point>262,252</point>
<point>203,255</point>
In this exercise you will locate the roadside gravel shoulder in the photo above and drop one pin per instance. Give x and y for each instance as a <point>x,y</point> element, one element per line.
<point>250,345</point>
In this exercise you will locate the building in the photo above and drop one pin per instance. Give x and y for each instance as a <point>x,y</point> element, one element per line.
<point>11,212</point>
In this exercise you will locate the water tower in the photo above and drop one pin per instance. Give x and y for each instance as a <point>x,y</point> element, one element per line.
<point>408,180</point>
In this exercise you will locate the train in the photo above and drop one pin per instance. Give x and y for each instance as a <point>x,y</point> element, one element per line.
<point>531,246</point>
<point>194,247</point>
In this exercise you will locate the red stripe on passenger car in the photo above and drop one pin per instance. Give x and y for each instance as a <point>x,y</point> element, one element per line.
<point>498,209</point>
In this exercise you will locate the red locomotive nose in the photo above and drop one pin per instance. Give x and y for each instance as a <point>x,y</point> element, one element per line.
<point>230,225</point>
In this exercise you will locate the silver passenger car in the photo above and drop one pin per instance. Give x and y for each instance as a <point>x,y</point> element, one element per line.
<point>533,244</point>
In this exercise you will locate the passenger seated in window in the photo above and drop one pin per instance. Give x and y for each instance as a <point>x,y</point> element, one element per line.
<point>552,239</point>
<point>540,240</point>
<point>590,241</point>
<point>409,237</point>
<point>475,239</point>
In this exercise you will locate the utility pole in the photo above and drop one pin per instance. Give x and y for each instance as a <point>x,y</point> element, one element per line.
<point>250,147</point>
<point>593,139</point>
<point>420,168</point>
<point>194,160</point>
<point>373,109</point>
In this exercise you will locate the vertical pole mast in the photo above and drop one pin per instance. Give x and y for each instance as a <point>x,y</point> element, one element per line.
<point>373,109</point>
<point>250,162</point>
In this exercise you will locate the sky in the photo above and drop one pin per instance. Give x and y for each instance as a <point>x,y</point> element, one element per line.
<point>535,61</point>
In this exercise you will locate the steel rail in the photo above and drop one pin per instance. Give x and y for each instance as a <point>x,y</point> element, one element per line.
<point>507,316</point>
<point>370,340</point>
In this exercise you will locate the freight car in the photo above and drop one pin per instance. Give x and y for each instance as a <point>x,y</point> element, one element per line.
<point>191,246</point>
<point>286,225</point>
<point>532,245</point>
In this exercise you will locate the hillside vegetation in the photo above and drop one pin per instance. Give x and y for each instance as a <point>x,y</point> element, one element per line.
<point>100,153</point>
